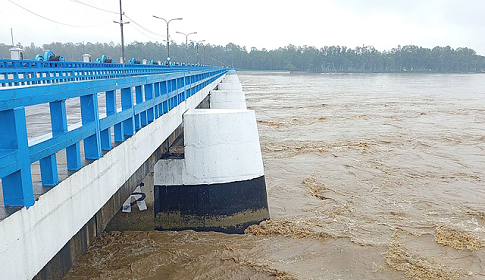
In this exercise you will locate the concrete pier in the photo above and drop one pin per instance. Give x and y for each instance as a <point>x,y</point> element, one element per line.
<point>228,94</point>
<point>228,99</point>
<point>219,184</point>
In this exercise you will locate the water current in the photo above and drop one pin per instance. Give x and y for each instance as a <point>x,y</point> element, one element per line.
<point>369,176</point>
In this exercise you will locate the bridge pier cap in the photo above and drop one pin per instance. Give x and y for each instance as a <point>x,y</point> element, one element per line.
<point>232,97</point>
<point>228,99</point>
<point>221,145</point>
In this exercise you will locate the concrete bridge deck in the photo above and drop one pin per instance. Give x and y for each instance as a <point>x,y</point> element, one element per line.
<point>54,213</point>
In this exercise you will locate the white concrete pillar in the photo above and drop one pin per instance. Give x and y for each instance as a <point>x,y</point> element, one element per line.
<point>229,85</point>
<point>221,146</point>
<point>219,185</point>
<point>227,99</point>
<point>230,82</point>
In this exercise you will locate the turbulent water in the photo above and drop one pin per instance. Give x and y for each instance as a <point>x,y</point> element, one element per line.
<point>369,176</point>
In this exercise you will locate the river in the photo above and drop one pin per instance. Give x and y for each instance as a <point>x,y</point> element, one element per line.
<point>369,176</point>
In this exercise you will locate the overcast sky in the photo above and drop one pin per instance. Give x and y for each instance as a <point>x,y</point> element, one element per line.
<point>269,24</point>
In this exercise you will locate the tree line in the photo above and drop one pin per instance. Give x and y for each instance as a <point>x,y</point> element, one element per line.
<point>408,58</point>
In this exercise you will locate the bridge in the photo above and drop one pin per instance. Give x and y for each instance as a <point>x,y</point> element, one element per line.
<point>76,139</point>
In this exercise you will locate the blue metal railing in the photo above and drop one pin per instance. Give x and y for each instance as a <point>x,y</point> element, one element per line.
<point>146,91</point>
<point>31,72</point>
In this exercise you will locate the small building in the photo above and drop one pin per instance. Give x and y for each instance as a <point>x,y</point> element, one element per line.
<point>86,57</point>
<point>16,53</point>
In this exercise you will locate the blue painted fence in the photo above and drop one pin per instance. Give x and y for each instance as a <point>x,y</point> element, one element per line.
<point>147,92</point>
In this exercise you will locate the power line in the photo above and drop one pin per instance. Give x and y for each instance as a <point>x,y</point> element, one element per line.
<point>151,37</point>
<point>111,12</point>
<point>143,27</point>
<point>61,23</point>
<point>94,7</point>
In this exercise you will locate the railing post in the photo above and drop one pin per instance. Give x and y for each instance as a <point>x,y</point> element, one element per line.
<point>160,93</point>
<point>17,187</point>
<point>176,96</point>
<point>59,126</point>
<point>149,96</point>
<point>48,165</point>
<point>163,92</point>
<point>89,113</point>
<point>157,94</point>
<point>119,135</point>
<point>16,78</point>
<point>169,100</point>
<point>127,104</point>
<point>139,99</point>
<point>165,102</point>
<point>110,110</point>
<point>143,114</point>
<point>185,86</point>
<point>48,171</point>
<point>73,154</point>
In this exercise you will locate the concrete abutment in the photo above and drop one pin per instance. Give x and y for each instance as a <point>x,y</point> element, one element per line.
<point>219,184</point>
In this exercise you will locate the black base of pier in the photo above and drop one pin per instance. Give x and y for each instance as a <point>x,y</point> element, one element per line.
<point>227,207</point>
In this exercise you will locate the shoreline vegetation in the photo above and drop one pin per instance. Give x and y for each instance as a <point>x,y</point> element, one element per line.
<point>328,59</point>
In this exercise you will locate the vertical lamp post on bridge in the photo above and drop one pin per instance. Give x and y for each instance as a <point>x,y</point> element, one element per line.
<point>168,37</point>
<point>197,48</point>
<point>186,45</point>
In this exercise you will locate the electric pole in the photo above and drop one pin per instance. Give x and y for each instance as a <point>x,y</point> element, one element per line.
<point>122,37</point>
<point>11,33</point>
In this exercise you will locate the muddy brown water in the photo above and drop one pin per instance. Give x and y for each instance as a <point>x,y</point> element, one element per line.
<point>369,176</point>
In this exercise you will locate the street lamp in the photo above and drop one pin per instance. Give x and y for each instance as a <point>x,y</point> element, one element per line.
<point>186,45</point>
<point>197,48</point>
<point>168,36</point>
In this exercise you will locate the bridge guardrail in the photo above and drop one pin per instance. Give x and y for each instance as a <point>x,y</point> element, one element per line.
<point>146,93</point>
<point>31,72</point>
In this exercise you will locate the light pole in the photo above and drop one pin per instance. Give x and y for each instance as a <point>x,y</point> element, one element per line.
<point>197,48</point>
<point>168,37</point>
<point>186,45</point>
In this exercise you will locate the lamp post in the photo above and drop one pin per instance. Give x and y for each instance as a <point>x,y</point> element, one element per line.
<point>197,48</point>
<point>168,37</point>
<point>168,57</point>
<point>186,45</point>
